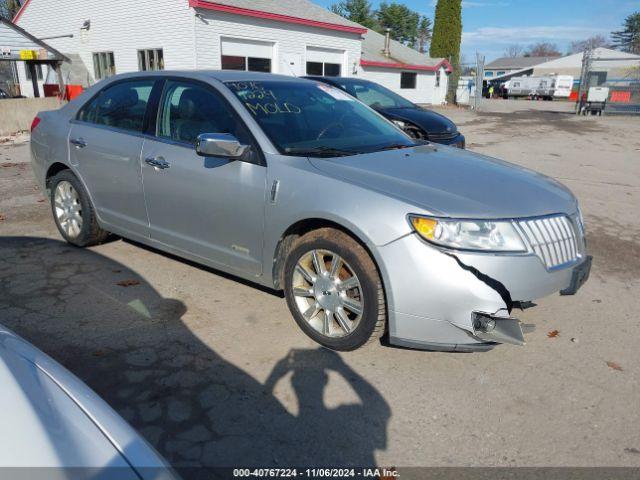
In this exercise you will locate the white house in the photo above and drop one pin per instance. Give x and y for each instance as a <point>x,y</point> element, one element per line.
<point>404,70</point>
<point>290,37</point>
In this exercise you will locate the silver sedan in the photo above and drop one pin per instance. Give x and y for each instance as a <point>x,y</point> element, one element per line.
<point>295,185</point>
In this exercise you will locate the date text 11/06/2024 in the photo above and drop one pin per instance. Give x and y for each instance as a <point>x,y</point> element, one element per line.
<point>381,473</point>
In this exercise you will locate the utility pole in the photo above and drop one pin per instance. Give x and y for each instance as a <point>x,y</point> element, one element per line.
<point>587,59</point>
<point>477,99</point>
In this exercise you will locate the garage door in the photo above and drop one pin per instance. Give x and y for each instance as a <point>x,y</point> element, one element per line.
<point>324,61</point>
<point>240,54</point>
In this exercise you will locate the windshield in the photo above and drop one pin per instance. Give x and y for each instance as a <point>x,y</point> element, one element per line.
<point>374,95</point>
<point>314,119</point>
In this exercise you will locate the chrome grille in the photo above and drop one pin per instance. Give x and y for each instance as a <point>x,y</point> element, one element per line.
<point>442,135</point>
<point>553,239</point>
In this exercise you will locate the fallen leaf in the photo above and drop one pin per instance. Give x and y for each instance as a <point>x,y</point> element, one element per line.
<point>116,271</point>
<point>128,283</point>
<point>553,333</point>
<point>9,164</point>
<point>2,217</point>
<point>99,353</point>
<point>614,366</point>
<point>42,200</point>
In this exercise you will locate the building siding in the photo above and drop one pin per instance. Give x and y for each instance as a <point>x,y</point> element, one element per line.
<point>192,40</point>
<point>290,41</point>
<point>425,92</point>
<point>119,26</point>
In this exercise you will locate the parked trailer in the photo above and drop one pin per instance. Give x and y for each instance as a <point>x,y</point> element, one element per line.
<point>563,86</point>
<point>533,87</point>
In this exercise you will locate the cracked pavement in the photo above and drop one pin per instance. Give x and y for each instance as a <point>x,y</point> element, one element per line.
<point>214,371</point>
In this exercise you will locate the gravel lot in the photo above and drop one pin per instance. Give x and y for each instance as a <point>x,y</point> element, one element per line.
<point>213,371</point>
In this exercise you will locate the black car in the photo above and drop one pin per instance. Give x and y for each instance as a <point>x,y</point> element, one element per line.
<point>418,122</point>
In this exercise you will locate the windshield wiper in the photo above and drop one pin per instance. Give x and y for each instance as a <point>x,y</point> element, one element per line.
<point>319,151</point>
<point>394,146</point>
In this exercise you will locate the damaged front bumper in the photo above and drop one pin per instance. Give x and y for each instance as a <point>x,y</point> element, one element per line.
<point>442,300</point>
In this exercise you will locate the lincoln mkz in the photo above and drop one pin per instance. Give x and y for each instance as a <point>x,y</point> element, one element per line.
<point>296,185</point>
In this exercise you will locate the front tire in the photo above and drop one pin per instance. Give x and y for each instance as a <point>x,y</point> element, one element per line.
<point>334,290</point>
<point>72,211</point>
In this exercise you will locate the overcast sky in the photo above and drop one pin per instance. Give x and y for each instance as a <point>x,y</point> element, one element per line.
<point>489,26</point>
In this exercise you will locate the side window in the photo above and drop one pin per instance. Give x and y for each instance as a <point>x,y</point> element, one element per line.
<point>373,98</point>
<point>188,109</point>
<point>120,106</point>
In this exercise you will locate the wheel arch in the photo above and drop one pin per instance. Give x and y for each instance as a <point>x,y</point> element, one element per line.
<point>53,170</point>
<point>307,225</point>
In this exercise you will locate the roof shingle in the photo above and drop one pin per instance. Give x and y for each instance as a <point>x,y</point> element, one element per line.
<point>373,51</point>
<point>292,8</point>
<point>516,63</point>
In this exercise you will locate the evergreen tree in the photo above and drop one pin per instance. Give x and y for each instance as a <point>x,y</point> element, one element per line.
<point>628,39</point>
<point>424,34</point>
<point>402,21</point>
<point>405,25</point>
<point>447,35</point>
<point>358,11</point>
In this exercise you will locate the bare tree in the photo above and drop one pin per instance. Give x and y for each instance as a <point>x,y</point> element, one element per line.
<point>591,42</point>
<point>543,49</point>
<point>514,50</point>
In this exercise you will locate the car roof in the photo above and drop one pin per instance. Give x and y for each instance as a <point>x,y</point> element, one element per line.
<point>339,80</point>
<point>221,75</point>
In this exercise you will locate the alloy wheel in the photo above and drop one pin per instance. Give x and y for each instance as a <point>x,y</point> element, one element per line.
<point>328,293</point>
<point>68,209</point>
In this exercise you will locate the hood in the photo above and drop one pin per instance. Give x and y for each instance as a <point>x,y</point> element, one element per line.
<point>430,122</point>
<point>452,182</point>
<point>42,425</point>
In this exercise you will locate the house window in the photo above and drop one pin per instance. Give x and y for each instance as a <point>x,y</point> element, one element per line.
<point>149,60</point>
<point>39,75</point>
<point>501,73</point>
<point>324,69</point>
<point>408,79</point>
<point>488,74</point>
<point>438,78</point>
<point>251,64</point>
<point>104,65</point>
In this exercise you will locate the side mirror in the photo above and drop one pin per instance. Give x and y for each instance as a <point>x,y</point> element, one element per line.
<point>220,145</point>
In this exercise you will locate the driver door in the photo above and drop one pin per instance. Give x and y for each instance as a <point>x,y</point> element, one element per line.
<point>212,208</point>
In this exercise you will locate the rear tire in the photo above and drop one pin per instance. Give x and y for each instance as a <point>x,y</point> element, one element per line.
<point>73,212</point>
<point>341,307</point>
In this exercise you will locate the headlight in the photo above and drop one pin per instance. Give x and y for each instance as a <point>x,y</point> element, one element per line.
<point>399,123</point>
<point>485,235</point>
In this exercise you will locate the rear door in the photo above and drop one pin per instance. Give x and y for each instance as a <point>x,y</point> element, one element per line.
<point>105,142</point>
<point>212,208</point>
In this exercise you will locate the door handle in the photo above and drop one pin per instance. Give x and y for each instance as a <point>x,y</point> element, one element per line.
<point>78,142</point>
<point>157,162</point>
